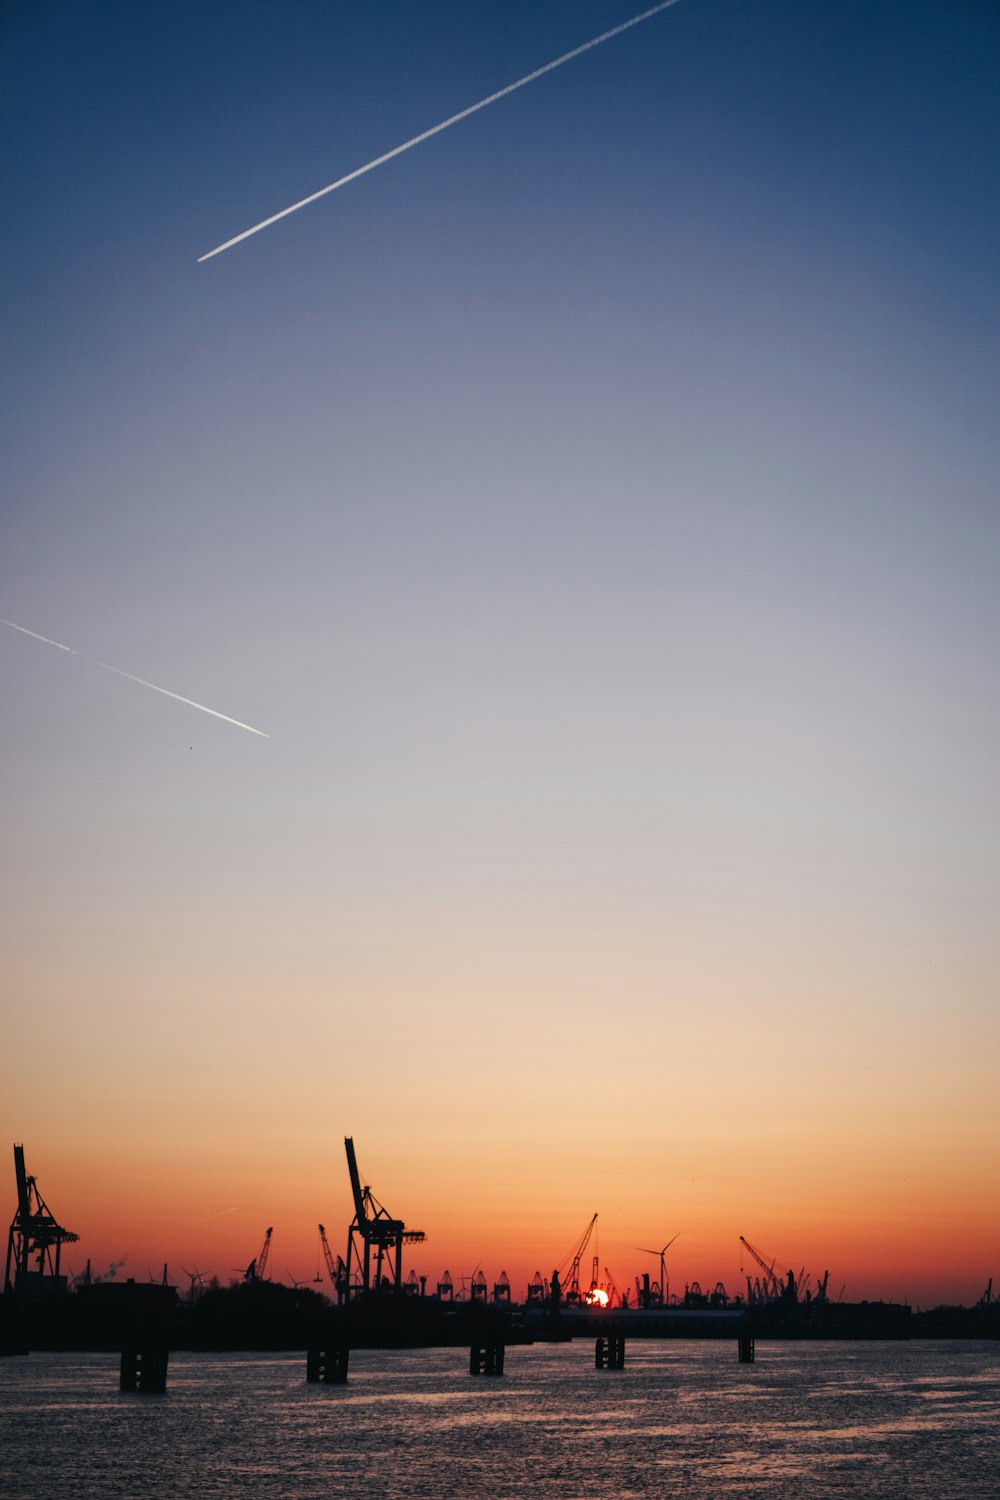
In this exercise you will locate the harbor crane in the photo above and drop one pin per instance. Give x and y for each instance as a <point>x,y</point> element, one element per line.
<point>34,1245</point>
<point>257,1269</point>
<point>775,1287</point>
<point>572,1282</point>
<point>618,1297</point>
<point>770,1287</point>
<point>374,1229</point>
<point>335,1268</point>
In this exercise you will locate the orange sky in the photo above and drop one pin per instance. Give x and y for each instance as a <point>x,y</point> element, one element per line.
<point>851,1136</point>
<point>857,1134</point>
<point>886,1224</point>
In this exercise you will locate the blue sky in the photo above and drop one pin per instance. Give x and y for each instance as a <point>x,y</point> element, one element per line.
<point>596,505</point>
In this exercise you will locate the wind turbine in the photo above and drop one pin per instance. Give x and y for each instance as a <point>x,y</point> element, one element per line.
<point>197,1279</point>
<point>663,1264</point>
<point>297,1284</point>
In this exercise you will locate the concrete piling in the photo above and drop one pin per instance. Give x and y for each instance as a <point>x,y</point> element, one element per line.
<point>486,1359</point>
<point>327,1365</point>
<point>144,1371</point>
<point>609,1352</point>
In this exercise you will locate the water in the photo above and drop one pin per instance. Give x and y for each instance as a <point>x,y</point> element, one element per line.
<point>683,1419</point>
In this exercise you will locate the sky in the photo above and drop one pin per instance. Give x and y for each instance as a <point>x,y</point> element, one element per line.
<point>596,507</point>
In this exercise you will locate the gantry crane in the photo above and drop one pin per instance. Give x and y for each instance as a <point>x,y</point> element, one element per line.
<point>374,1228</point>
<point>34,1236</point>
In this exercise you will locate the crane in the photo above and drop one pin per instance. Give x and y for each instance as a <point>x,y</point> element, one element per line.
<point>257,1269</point>
<point>373,1227</point>
<point>537,1290</point>
<point>573,1282</point>
<point>618,1297</point>
<point>773,1287</point>
<point>34,1235</point>
<point>335,1268</point>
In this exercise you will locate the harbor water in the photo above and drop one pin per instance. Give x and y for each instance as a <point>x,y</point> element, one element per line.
<point>683,1418</point>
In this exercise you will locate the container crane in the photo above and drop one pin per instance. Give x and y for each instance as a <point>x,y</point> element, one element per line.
<point>374,1228</point>
<point>35,1236</point>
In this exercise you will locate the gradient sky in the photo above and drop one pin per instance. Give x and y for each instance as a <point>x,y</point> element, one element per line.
<point>597,507</point>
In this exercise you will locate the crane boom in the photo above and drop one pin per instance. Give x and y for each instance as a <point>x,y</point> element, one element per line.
<point>331,1267</point>
<point>356,1188</point>
<point>573,1283</point>
<point>767,1268</point>
<point>23,1201</point>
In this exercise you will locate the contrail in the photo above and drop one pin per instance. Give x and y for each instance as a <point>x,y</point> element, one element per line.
<point>140,680</point>
<point>425,135</point>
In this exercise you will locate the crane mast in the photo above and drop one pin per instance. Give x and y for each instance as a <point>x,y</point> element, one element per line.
<point>257,1269</point>
<point>265,1251</point>
<point>335,1269</point>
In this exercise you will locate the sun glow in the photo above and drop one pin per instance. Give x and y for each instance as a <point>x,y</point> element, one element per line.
<point>597,1297</point>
